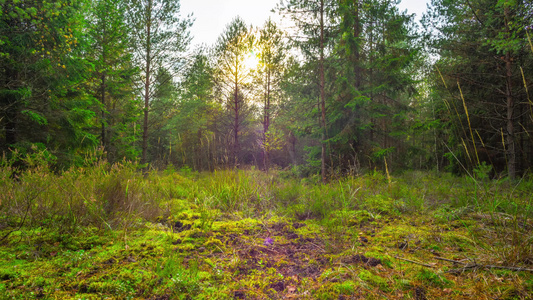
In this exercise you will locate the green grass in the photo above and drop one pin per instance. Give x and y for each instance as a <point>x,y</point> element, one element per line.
<point>109,232</point>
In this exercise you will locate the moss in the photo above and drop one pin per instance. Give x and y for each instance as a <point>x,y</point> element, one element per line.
<point>347,287</point>
<point>214,243</point>
<point>374,280</point>
<point>224,258</point>
<point>281,263</point>
<point>360,217</point>
<point>7,274</point>
<point>433,279</point>
<point>403,283</point>
<point>110,287</point>
<point>326,295</point>
<point>386,260</point>
<point>185,247</point>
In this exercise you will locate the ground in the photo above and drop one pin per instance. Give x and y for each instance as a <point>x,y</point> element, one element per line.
<point>196,252</point>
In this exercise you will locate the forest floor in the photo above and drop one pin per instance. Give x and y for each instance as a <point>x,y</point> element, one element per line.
<point>388,248</point>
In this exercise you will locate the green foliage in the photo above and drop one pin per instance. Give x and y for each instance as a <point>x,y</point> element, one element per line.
<point>474,129</point>
<point>111,77</point>
<point>366,110</point>
<point>159,36</point>
<point>347,287</point>
<point>41,93</point>
<point>380,204</point>
<point>76,225</point>
<point>482,171</point>
<point>71,71</point>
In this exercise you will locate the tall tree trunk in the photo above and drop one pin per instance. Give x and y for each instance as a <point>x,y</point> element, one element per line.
<point>104,108</point>
<point>511,146</point>
<point>102,90</point>
<point>357,34</point>
<point>147,85</point>
<point>10,123</point>
<point>10,107</point>
<point>236,146</point>
<point>266,125</point>
<point>371,78</point>
<point>10,114</point>
<point>322,92</point>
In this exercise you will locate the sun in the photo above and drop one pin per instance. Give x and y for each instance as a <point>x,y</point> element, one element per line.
<point>251,62</point>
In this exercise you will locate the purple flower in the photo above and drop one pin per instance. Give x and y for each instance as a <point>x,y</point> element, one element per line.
<point>268,241</point>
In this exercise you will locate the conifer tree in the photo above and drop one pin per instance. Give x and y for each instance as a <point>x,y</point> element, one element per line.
<point>233,48</point>
<point>113,69</point>
<point>42,95</point>
<point>272,53</point>
<point>483,77</point>
<point>312,18</point>
<point>159,38</point>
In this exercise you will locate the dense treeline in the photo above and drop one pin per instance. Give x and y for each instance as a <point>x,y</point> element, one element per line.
<point>357,85</point>
<point>482,80</point>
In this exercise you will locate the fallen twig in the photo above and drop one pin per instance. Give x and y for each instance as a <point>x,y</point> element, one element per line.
<point>414,262</point>
<point>461,270</point>
<point>450,260</point>
<point>320,248</point>
<point>508,268</point>
<point>480,266</point>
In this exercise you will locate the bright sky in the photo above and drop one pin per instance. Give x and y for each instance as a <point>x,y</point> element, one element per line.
<point>212,16</point>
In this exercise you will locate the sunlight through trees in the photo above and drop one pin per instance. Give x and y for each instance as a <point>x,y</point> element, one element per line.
<point>348,86</point>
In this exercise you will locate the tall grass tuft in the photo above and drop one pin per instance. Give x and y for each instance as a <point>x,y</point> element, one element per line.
<point>101,196</point>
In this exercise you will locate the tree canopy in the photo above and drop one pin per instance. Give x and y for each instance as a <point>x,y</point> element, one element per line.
<point>354,85</point>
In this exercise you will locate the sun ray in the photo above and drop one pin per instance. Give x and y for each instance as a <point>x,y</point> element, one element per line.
<point>251,62</point>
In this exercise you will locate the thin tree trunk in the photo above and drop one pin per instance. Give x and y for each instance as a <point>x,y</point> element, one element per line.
<point>322,93</point>
<point>371,77</point>
<point>102,90</point>
<point>266,125</point>
<point>357,34</point>
<point>511,147</point>
<point>236,145</point>
<point>292,148</point>
<point>199,166</point>
<point>102,101</point>
<point>147,85</point>
<point>11,113</point>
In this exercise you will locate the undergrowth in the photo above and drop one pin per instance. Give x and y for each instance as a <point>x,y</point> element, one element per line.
<point>108,231</point>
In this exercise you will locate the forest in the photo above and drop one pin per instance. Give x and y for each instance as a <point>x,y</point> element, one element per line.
<point>356,153</point>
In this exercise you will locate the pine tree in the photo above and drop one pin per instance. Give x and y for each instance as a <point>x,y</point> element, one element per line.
<point>312,19</point>
<point>272,53</point>
<point>197,113</point>
<point>374,80</point>
<point>159,38</point>
<point>359,56</point>
<point>113,69</point>
<point>233,48</point>
<point>483,77</point>
<point>42,78</point>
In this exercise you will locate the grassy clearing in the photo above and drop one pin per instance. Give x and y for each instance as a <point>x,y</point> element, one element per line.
<point>108,232</point>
